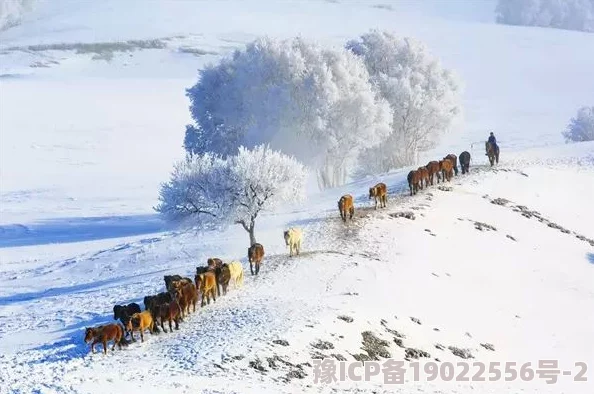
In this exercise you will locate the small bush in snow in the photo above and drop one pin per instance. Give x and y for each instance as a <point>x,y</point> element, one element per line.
<point>581,128</point>
<point>310,102</point>
<point>211,192</point>
<point>561,14</point>
<point>424,97</point>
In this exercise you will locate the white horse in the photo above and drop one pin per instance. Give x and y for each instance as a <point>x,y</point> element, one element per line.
<point>236,273</point>
<point>293,237</point>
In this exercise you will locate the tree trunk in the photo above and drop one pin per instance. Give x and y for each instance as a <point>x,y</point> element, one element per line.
<point>251,232</point>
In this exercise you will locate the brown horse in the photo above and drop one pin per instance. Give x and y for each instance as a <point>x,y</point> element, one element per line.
<point>454,161</point>
<point>105,333</point>
<point>206,284</point>
<point>140,322</point>
<point>167,312</point>
<point>346,207</point>
<point>255,256</point>
<point>433,170</point>
<point>186,295</point>
<point>215,264</point>
<point>380,192</point>
<point>446,167</point>
<point>464,161</point>
<point>413,181</point>
<point>492,153</point>
<point>424,174</point>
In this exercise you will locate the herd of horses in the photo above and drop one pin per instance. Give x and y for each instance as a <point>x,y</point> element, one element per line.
<point>182,293</point>
<point>180,297</point>
<point>424,176</point>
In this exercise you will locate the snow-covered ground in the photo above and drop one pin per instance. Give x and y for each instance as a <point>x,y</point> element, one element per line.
<point>86,139</point>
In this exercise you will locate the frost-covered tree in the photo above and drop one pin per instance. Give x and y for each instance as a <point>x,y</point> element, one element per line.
<point>581,128</point>
<point>210,192</point>
<point>424,97</point>
<point>313,103</point>
<point>12,12</point>
<point>561,14</point>
<point>195,193</point>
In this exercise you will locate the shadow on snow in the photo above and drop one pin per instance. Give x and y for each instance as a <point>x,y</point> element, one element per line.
<point>67,230</point>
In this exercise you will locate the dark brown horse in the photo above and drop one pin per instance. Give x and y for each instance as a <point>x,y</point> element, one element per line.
<point>170,312</point>
<point>464,161</point>
<point>187,296</point>
<point>454,161</point>
<point>433,169</point>
<point>105,333</point>
<point>413,178</point>
<point>123,312</point>
<point>255,256</point>
<point>161,298</point>
<point>346,207</point>
<point>492,153</point>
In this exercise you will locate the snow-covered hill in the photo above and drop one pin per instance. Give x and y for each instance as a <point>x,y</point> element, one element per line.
<point>92,115</point>
<point>497,257</point>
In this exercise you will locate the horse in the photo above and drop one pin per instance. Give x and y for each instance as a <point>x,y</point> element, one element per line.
<point>424,174</point>
<point>293,237</point>
<point>161,298</point>
<point>105,333</point>
<point>225,277</point>
<point>433,169</point>
<point>492,154</point>
<point>446,167</point>
<point>454,161</point>
<point>123,312</point>
<point>380,192</point>
<point>255,256</point>
<point>140,322</point>
<point>206,284</point>
<point>215,264</point>
<point>167,312</point>
<point>236,272</point>
<point>345,206</point>
<point>170,282</point>
<point>186,295</point>
<point>413,178</point>
<point>464,161</point>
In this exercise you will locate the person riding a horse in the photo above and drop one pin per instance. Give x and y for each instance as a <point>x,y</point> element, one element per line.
<point>493,142</point>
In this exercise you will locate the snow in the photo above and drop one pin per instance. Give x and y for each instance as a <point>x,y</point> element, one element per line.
<point>85,145</point>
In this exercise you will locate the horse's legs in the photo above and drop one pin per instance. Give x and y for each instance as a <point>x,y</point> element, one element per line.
<point>251,268</point>
<point>141,336</point>
<point>104,346</point>
<point>163,326</point>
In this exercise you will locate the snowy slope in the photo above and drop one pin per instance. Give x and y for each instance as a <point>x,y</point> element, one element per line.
<point>88,132</point>
<point>533,302</point>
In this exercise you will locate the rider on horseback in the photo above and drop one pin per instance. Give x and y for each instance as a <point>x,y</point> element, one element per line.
<point>493,142</point>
